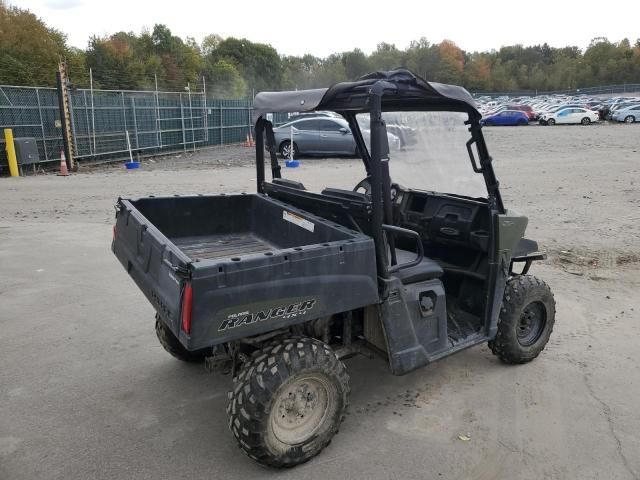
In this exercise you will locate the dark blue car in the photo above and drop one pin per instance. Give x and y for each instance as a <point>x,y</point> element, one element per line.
<point>506,117</point>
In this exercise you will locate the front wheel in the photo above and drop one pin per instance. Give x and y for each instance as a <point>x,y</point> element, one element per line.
<point>288,401</point>
<point>551,122</point>
<point>629,119</point>
<point>526,320</point>
<point>586,121</point>
<point>285,149</point>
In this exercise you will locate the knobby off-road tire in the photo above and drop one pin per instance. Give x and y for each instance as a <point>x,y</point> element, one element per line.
<point>288,401</point>
<point>172,345</point>
<point>526,320</point>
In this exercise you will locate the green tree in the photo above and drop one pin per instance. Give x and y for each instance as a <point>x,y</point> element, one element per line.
<point>386,57</point>
<point>259,64</point>
<point>29,50</point>
<point>114,62</point>
<point>224,80</point>
<point>355,64</point>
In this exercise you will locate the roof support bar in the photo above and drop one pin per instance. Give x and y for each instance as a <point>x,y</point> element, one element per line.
<point>377,130</point>
<point>265,127</point>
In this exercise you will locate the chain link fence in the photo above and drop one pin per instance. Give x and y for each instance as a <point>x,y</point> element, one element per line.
<point>105,122</point>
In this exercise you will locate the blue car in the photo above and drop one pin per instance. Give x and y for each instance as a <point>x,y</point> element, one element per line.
<point>506,117</point>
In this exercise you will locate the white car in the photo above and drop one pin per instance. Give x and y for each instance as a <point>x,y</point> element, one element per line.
<point>629,114</point>
<point>570,115</point>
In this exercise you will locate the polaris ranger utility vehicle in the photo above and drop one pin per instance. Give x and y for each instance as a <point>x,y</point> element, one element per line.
<point>280,285</point>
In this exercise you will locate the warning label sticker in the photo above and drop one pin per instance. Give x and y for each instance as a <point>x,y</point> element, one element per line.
<point>299,221</point>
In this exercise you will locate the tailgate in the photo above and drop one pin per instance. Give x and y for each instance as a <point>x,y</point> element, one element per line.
<point>157,266</point>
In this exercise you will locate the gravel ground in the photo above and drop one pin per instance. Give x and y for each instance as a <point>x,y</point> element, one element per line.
<point>87,392</point>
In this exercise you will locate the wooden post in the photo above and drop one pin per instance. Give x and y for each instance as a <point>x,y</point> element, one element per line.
<point>65,116</point>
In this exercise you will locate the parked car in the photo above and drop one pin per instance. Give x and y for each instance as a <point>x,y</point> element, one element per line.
<point>299,116</point>
<point>619,106</point>
<point>322,136</point>
<point>526,109</point>
<point>628,115</point>
<point>406,134</point>
<point>570,115</point>
<point>506,117</point>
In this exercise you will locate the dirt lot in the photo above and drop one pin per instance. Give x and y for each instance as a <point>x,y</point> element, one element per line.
<point>86,392</point>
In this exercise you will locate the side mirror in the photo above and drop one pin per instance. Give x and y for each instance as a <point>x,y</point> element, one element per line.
<point>344,130</point>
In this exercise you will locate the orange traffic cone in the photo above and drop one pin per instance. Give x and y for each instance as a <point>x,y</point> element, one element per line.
<point>64,171</point>
<point>246,142</point>
<point>251,142</point>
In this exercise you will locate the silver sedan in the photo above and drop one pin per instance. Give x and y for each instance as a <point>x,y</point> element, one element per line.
<point>321,136</point>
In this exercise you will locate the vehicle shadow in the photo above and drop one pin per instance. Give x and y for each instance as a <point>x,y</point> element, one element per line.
<point>184,407</point>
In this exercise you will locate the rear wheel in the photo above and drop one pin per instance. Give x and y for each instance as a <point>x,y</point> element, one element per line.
<point>172,345</point>
<point>629,119</point>
<point>551,122</point>
<point>526,320</point>
<point>288,401</point>
<point>586,121</point>
<point>285,149</point>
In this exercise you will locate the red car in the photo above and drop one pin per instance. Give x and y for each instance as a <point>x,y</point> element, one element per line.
<point>524,108</point>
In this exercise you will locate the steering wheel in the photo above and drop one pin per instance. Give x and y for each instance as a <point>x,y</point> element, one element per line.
<point>364,186</point>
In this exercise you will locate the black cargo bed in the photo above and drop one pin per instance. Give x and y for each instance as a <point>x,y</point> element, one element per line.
<point>222,245</point>
<point>253,264</point>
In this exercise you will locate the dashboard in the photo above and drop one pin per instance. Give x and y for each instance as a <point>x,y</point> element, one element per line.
<point>443,219</point>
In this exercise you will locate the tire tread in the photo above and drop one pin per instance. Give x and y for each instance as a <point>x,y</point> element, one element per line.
<point>248,422</point>
<point>515,298</point>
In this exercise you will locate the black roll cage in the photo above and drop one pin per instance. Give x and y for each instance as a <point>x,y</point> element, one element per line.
<point>376,161</point>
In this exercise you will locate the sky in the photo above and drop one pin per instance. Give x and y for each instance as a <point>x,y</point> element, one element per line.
<point>324,27</point>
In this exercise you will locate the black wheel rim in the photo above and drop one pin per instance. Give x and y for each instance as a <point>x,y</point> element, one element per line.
<point>531,323</point>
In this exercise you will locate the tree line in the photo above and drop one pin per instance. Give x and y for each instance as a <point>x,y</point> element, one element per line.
<point>236,67</point>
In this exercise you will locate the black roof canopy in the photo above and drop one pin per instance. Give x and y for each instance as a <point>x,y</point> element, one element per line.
<point>404,91</point>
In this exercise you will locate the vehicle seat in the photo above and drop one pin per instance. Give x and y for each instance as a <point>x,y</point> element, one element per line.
<point>288,183</point>
<point>427,269</point>
<point>346,195</point>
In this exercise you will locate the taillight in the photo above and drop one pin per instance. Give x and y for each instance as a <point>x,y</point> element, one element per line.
<point>187,300</point>
<point>115,231</point>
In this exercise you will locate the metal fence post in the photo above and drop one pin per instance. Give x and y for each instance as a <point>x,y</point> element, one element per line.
<point>184,138</point>
<point>135,121</point>
<point>93,113</point>
<point>44,140</point>
<point>158,123</point>
<point>124,115</point>
<point>74,133</point>
<point>86,118</point>
<point>204,107</point>
<point>193,133</point>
